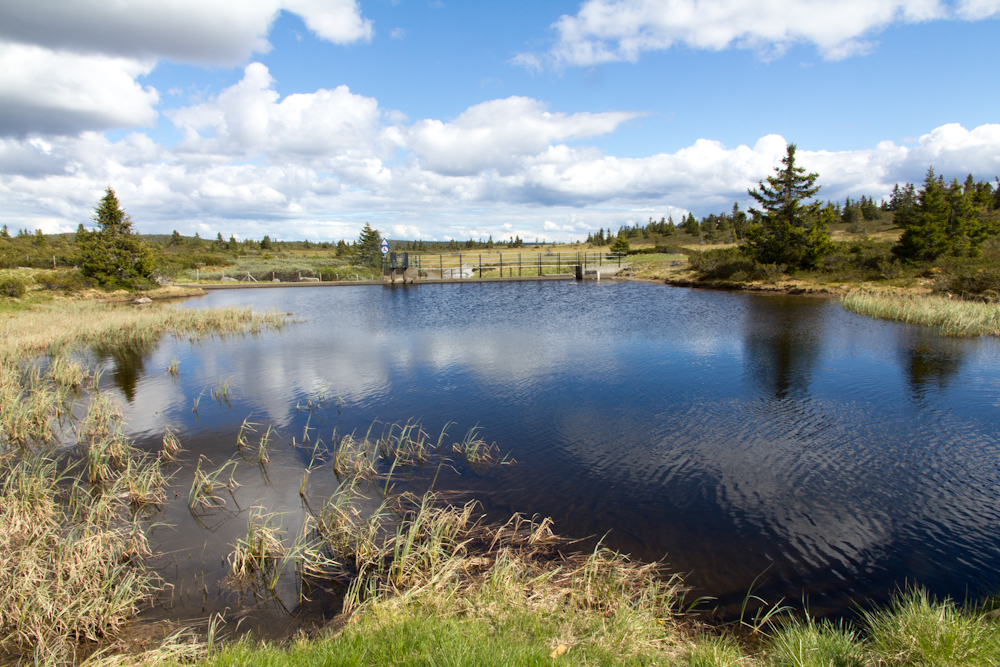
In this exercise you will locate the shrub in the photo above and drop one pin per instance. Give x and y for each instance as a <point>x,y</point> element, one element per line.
<point>13,286</point>
<point>60,280</point>
<point>983,282</point>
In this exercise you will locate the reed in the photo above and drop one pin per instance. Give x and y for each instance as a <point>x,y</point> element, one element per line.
<point>953,317</point>
<point>171,445</point>
<point>205,485</point>
<point>73,517</point>
<point>71,562</point>
<point>259,558</point>
<point>222,393</point>
<point>70,325</point>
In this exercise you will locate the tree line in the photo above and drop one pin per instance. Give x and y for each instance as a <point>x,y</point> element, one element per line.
<point>787,226</point>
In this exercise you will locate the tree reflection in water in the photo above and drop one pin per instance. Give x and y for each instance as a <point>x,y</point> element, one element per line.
<point>781,343</point>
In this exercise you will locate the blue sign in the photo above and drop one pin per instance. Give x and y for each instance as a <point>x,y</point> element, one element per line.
<point>385,247</point>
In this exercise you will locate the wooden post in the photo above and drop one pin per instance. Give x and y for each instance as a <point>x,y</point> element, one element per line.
<point>501,265</point>
<point>518,265</point>
<point>441,265</point>
<point>539,263</point>
<point>480,266</point>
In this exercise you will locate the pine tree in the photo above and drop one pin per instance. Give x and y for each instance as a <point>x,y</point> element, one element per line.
<point>175,239</point>
<point>113,255</point>
<point>739,221</point>
<point>966,230</point>
<point>621,244</point>
<point>4,233</point>
<point>369,246</point>
<point>925,229</point>
<point>265,243</point>
<point>788,231</point>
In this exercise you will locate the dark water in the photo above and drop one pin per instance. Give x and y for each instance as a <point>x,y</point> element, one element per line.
<point>831,457</point>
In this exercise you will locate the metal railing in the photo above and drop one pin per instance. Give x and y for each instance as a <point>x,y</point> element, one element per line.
<point>496,264</point>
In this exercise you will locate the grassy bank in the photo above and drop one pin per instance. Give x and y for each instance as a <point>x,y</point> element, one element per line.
<point>496,628</point>
<point>75,495</point>
<point>954,317</point>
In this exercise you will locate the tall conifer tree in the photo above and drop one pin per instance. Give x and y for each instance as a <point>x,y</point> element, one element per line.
<point>114,255</point>
<point>787,230</point>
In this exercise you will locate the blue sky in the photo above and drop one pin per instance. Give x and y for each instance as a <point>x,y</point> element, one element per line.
<point>436,120</point>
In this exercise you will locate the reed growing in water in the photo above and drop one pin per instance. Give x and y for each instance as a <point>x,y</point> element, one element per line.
<point>74,492</point>
<point>954,317</point>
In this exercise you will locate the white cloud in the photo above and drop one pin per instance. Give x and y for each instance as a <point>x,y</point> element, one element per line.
<point>338,21</point>
<point>56,92</point>
<point>194,31</point>
<point>247,119</point>
<point>406,232</point>
<point>496,134</point>
<point>320,164</point>
<point>68,66</point>
<point>616,30</point>
<point>974,10</point>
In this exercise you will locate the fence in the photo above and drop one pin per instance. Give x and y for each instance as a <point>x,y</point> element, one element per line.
<point>501,264</point>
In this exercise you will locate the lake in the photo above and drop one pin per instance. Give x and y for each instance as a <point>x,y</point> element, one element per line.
<point>774,442</point>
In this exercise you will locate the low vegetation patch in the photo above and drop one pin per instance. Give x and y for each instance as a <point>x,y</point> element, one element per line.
<point>953,317</point>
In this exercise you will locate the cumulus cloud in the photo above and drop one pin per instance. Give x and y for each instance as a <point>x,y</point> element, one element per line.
<point>194,31</point>
<point>616,30</point>
<point>68,66</point>
<point>496,134</point>
<point>57,92</point>
<point>248,119</point>
<point>319,165</point>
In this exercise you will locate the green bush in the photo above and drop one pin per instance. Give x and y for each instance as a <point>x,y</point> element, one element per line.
<point>13,286</point>
<point>732,264</point>
<point>975,282</point>
<point>60,280</point>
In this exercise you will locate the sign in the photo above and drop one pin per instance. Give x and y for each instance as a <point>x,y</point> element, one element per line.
<point>385,247</point>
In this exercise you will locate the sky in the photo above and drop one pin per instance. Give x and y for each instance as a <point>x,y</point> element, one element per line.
<point>439,120</point>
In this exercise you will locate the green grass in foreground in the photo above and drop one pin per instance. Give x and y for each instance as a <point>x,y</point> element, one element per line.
<point>955,317</point>
<point>437,629</point>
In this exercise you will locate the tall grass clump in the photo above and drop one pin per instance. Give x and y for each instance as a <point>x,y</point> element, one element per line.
<point>954,317</point>
<point>65,560</point>
<point>811,644</point>
<point>918,630</point>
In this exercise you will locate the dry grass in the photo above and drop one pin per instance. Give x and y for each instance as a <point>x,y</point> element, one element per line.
<point>954,317</point>
<point>65,562</point>
<point>72,519</point>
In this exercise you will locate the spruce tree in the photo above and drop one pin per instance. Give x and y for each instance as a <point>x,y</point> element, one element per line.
<point>925,226</point>
<point>4,233</point>
<point>369,246</point>
<point>113,255</point>
<point>787,230</point>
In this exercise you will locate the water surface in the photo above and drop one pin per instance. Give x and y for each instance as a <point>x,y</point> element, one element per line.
<point>828,456</point>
